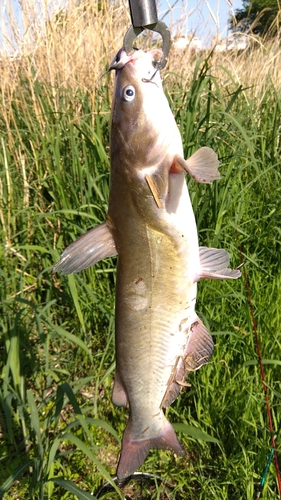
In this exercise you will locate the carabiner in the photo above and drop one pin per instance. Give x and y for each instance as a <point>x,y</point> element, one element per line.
<point>160,28</point>
<point>144,15</point>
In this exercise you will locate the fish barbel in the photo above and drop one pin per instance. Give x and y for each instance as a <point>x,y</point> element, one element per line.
<point>151,226</point>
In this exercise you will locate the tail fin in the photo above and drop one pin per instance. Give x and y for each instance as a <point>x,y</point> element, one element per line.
<point>134,452</point>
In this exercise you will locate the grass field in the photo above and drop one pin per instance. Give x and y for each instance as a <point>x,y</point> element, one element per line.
<point>60,433</point>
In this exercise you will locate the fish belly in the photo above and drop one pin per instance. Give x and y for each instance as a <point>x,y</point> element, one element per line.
<point>154,309</point>
<point>155,301</point>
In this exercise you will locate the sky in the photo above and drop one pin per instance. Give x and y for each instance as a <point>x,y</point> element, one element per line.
<point>204,17</point>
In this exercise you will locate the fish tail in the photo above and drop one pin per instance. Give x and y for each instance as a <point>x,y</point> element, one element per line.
<point>135,451</point>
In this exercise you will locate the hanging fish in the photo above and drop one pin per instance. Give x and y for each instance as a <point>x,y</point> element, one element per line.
<point>151,226</point>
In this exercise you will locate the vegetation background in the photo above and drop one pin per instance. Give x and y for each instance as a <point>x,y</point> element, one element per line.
<point>60,434</point>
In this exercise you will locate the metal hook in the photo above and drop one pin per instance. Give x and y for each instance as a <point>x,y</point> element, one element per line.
<point>159,27</point>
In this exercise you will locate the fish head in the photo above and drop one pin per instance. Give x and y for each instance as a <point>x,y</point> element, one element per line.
<point>137,69</point>
<point>140,112</point>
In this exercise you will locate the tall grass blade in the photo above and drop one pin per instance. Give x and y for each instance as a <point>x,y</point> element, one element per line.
<point>13,477</point>
<point>195,433</point>
<point>57,351</point>
<point>82,446</point>
<point>70,486</point>
<point>34,421</point>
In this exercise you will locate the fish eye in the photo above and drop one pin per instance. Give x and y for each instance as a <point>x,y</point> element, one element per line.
<point>128,93</point>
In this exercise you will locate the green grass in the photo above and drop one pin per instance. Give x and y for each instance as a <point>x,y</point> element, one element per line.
<point>60,432</point>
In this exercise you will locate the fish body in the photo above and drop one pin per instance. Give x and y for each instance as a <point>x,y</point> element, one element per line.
<point>151,226</point>
<point>158,251</point>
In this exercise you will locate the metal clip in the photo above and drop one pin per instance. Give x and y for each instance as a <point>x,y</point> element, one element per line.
<point>143,12</point>
<point>159,27</point>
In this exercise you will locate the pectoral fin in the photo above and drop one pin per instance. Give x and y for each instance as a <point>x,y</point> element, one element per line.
<point>87,250</point>
<point>213,265</point>
<point>202,166</point>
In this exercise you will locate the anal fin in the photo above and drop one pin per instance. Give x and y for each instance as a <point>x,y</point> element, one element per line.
<point>199,347</point>
<point>173,387</point>
<point>87,250</point>
<point>197,353</point>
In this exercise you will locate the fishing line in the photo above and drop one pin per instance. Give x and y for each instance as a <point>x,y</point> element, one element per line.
<point>138,477</point>
<point>273,434</point>
<point>149,80</point>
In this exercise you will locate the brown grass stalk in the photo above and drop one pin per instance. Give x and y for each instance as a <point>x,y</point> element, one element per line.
<point>71,47</point>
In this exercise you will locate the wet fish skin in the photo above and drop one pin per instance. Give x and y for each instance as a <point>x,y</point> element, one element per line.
<point>151,225</point>
<point>158,251</point>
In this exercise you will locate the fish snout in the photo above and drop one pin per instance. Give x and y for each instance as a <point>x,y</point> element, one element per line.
<point>120,60</point>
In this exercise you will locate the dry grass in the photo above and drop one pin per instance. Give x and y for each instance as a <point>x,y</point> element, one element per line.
<point>58,351</point>
<point>69,48</point>
<point>72,48</point>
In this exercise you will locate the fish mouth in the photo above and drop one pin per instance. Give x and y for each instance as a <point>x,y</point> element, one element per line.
<point>139,62</point>
<point>122,58</point>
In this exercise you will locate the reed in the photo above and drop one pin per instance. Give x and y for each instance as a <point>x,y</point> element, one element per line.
<point>60,434</point>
